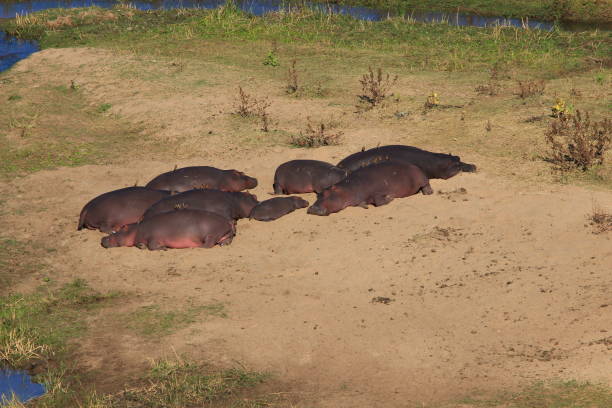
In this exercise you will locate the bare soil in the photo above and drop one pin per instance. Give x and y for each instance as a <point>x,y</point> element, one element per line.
<point>494,281</point>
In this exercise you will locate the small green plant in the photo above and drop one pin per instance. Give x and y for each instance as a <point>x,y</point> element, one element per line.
<point>432,101</point>
<point>576,142</point>
<point>316,136</point>
<point>600,79</point>
<point>271,59</point>
<point>74,85</point>
<point>14,97</point>
<point>375,87</point>
<point>104,107</point>
<point>560,108</point>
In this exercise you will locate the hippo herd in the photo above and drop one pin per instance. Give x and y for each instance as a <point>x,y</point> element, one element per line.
<point>198,206</point>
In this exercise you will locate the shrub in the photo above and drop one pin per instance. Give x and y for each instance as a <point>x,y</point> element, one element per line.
<point>375,87</point>
<point>315,136</point>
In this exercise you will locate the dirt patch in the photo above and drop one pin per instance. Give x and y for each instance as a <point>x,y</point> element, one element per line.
<point>491,283</point>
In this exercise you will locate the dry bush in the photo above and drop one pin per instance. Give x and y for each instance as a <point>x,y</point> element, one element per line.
<point>247,105</point>
<point>315,136</point>
<point>262,111</point>
<point>576,142</point>
<point>601,220</point>
<point>61,21</point>
<point>292,78</point>
<point>530,88</point>
<point>491,88</point>
<point>375,87</point>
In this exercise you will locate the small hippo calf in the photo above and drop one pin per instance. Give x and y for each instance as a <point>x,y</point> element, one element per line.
<point>275,208</point>
<point>111,211</point>
<point>188,178</point>
<point>306,176</point>
<point>434,165</point>
<point>176,229</point>
<point>376,184</point>
<point>232,205</point>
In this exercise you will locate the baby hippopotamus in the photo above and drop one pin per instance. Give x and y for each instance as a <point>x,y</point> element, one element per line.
<point>188,178</point>
<point>434,165</point>
<point>306,176</point>
<point>232,205</point>
<point>375,184</point>
<point>275,208</point>
<point>111,211</point>
<point>176,229</point>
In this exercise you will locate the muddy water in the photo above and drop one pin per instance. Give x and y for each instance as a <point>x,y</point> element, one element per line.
<point>20,384</point>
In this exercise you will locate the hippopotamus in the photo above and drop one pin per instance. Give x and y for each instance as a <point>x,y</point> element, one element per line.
<point>232,205</point>
<point>177,229</point>
<point>275,208</point>
<point>306,176</point>
<point>375,184</point>
<point>434,165</point>
<point>110,211</point>
<point>188,178</point>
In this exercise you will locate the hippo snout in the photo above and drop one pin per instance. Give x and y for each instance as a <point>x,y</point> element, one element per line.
<point>316,210</point>
<point>109,241</point>
<point>251,182</point>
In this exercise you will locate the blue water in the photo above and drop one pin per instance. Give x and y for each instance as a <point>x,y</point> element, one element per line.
<point>12,50</point>
<point>20,384</point>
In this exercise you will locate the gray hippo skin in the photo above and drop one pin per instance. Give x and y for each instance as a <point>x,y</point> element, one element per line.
<point>376,184</point>
<point>434,165</point>
<point>188,178</point>
<point>176,229</point>
<point>275,208</point>
<point>306,176</point>
<point>111,211</point>
<point>232,205</point>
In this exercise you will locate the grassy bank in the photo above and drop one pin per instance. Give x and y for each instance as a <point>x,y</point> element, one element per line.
<point>424,46</point>
<point>550,10</point>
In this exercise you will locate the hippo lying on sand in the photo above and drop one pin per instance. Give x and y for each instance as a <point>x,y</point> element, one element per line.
<point>376,184</point>
<point>306,176</point>
<point>434,165</point>
<point>188,178</point>
<point>176,229</point>
<point>275,208</point>
<point>111,211</point>
<point>232,205</point>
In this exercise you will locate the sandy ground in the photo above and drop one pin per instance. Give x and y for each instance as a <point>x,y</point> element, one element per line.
<point>490,287</point>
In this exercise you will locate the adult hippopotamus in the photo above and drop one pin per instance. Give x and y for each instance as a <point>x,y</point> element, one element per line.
<point>306,176</point>
<point>176,229</point>
<point>188,178</point>
<point>375,184</point>
<point>275,208</point>
<point>434,165</point>
<point>110,211</point>
<point>232,205</point>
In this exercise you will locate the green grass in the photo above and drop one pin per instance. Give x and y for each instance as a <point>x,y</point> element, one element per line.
<point>153,321</point>
<point>552,394</point>
<point>428,46</point>
<point>53,126</point>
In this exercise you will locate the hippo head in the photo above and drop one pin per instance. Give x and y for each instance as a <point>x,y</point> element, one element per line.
<point>329,201</point>
<point>246,203</point>
<point>241,181</point>
<point>124,237</point>
<point>299,202</point>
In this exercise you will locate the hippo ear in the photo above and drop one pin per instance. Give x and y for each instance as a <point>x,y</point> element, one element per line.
<point>175,167</point>
<point>363,148</point>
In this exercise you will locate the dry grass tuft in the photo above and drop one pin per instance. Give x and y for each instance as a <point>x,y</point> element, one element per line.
<point>315,136</point>
<point>292,78</point>
<point>61,21</point>
<point>530,88</point>
<point>576,142</point>
<point>375,87</point>
<point>600,219</point>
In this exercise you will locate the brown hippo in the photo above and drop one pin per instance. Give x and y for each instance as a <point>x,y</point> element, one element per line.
<point>176,229</point>
<point>110,211</point>
<point>232,205</point>
<point>375,184</point>
<point>434,165</point>
<point>306,176</point>
<point>188,178</point>
<point>275,208</point>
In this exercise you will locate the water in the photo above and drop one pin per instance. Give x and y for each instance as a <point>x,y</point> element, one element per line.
<point>12,50</point>
<point>20,384</point>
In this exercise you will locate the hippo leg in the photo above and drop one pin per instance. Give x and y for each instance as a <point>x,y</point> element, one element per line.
<point>156,246</point>
<point>209,241</point>
<point>427,190</point>
<point>382,200</point>
<point>141,245</point>
<point>363,204</point>
<point>277,189</point>
<point>226,240</point>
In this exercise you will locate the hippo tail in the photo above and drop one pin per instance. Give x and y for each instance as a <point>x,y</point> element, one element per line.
<point>467,167</point>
